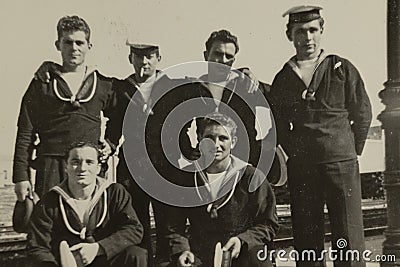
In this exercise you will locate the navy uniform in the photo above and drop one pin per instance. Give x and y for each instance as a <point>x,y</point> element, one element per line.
<point>51,112</point>
<point>111,222</point>
<point>249,216</point>
<point>142,117</point>
<point>322,127</point>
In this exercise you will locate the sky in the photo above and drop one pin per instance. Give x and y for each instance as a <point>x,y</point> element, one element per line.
<point>354,29</point>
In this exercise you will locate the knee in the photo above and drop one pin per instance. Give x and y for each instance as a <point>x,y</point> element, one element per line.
<point>136,256</point>
<point>252,258</point>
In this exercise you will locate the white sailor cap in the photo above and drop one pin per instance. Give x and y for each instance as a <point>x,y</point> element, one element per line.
<point>142,47</point>
<point>303,13</point>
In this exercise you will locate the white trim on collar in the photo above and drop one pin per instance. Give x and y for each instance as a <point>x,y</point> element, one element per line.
<point>73,97</point>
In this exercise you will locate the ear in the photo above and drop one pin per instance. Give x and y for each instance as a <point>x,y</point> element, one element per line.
<point>289,36</point>
<point>159,58</point>
<point>130,58</point>
<point>98,168</point>
<point>233,142</point>
<point>57,44</point>
<point>322,30</point>
<point>205,54</point>
<point>90,45</point>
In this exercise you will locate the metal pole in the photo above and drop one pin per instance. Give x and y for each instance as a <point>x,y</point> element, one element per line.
<point>390,118</point>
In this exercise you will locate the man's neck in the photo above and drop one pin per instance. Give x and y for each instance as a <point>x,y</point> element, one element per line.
<point>308,56</point>
<point>74,68</point>
<point>144,78</point>
<point>219,79</point>
<point>218,167</point>
<point>81,192</point>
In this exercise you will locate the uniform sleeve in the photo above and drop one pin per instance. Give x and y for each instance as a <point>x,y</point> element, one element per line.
<point>115,111</point>
<point>39,239</point>
<point>25,134</point>
<point>359,107</point>
<point>263,206</point>
<point>176,228</point>
<point>128,229</point>
<point>279,111</point>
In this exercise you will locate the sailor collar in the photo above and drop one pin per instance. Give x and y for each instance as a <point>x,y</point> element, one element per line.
<point>85,92</point>
<point>64,195</point>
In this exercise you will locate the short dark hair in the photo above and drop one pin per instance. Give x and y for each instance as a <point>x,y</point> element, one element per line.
<point>72,23</point>
<point>218,119</point>
<point>289,26</point>
<point>82,144</point>
<point>223,36</point>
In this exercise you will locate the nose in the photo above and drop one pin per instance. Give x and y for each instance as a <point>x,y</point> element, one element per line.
<point>145,60</point>
<point>75,46</point>
<point>309,35</point>
<point>224,60</point>
<point>82,166</point>
<point>217,143</point>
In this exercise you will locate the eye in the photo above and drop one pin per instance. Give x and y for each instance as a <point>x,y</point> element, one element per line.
<point>229,57</point>
<point>90,162</point>
<point>224,138</point>
<point>74,162</point>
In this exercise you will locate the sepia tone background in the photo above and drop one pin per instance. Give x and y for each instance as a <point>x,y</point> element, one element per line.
<point>354,29</point>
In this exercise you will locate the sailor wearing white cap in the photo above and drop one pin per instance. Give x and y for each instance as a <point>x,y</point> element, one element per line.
<point>323,114</point>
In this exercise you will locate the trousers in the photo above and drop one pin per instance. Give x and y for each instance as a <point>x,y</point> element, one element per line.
<point>337,185</point>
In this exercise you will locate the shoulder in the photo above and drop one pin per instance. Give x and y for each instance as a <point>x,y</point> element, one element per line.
<point>35,87</point>
<point>264,88</point>
<point>340,61</point>
<point>103,81</point>
<point>251,171</point>
<point>255,180</point>
<point>116,188</point>
<point>102,77</point>
<point>281,76</point>
<point>344,66</point>
<point>248,173</point>
<point>49,201</point>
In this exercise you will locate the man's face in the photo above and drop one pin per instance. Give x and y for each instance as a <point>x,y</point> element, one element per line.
<point>83,165</point>
<point>222,143</point>
<point>306,39</point>
<point>147,62</point>
<point>73,47</point>
<point>223,53</point>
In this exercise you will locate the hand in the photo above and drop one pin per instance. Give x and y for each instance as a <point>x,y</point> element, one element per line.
<point>185,259</point>
<point>88,251</point>
<point>233,244</point>
<point>43,73</point>
<point>23,189</point>
<point>105,151</point>
<point>251,81</point>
